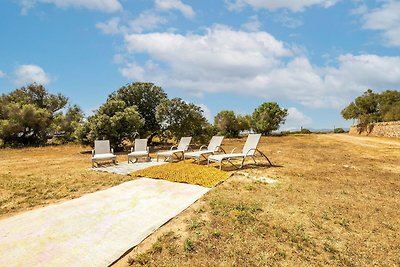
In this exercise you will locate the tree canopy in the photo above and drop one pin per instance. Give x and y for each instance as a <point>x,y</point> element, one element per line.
<point>267,117</point>
<point>31,115</point>
<point>371,107</point>
<point>227,123</point>
<point>178,118</point>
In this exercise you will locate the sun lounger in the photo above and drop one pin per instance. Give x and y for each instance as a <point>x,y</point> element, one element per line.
<point>141,151</point>
<point>249,150</point>
<point>178,152</point>
<point>102,152</point>
<point>203,152</point>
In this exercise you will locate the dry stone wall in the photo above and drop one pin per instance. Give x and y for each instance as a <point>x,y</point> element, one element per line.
<point>388,129</point>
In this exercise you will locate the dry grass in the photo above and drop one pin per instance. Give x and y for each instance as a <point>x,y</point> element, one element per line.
<point>35,177</point>
<point>185,172</point>
<point>336,203</point>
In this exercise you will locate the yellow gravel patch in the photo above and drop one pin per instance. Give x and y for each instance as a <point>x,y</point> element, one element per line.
<point>184,172</point>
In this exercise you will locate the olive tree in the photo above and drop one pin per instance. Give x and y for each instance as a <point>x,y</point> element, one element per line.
<point>178,118</point>
<point>267,117</point>
<point>145,97</point>
<point>115,121</point>
<point>28,115</point>
<point>227,123</point>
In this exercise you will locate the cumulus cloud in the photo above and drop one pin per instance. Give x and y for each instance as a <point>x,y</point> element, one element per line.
<point>2,74</point>
<point>26,74</point>
<point>254,63</point>
<point>295,120</point>
<point>293,5</point>
<point>385,19</point>
<point>99,5</point>
<point>185,9</point>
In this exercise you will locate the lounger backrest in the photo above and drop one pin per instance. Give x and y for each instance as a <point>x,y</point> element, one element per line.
<point>184,143</point>
<point>102,146</point>
<point>215,142</point>
<point>251,144</point>
<point>140,144</point>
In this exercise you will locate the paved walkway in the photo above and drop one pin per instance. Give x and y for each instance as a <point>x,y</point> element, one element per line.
<point>96,229</point>
<point>125,168</point>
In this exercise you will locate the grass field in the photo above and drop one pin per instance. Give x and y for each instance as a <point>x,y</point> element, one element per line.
<point>336,202</point>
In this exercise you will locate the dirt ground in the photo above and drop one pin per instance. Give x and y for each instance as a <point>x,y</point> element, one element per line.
<point>335,202</point>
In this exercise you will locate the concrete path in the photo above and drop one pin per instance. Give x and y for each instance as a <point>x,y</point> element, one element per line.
<point>125,168</point>
<point>96,229</point>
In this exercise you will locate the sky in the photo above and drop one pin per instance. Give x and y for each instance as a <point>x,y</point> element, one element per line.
<point>312,57</point>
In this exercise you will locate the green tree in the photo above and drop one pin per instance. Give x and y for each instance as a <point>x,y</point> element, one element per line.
<point>145,97</point>
<point>244,122</point>
<point>227,123</point>
<point>178,118</point>
<point>267,117</point>
<point>66,125</point>
<point>371,107</point>
<point>28,115</point>
<point>114,121</point>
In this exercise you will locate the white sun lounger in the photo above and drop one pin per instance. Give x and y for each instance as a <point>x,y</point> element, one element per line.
<point>141,151</point>
<point>213,146</point>
<point>249,150</point>
<point>102,152</point>
<point>178,152</point>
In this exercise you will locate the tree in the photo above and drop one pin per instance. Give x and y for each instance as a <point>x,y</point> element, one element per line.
<point>244,122</point>
<point>66,125</point>
<point>114,121</point>
<point>371,107</point>
<point>145,97</point>
<point>267,117</point>
<point>178,118</point>
<point>227,123</point>
<point>27,115</point>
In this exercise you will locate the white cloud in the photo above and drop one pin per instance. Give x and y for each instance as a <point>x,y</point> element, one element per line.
<point>185,9</point>
<point>287,20</point>
<point>26,74</point>
<point>147,20</point>
<point>206,112</point>
<point>254,63</point>
<point>2,74</point>
<point>99,5</point>
<point>385,19</point>
<point>111,26</point>
<point>253,25</point>
<point>293,5</point>
<point>295,120</point>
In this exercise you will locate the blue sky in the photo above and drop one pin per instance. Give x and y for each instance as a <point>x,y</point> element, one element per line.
<point>311,56</point>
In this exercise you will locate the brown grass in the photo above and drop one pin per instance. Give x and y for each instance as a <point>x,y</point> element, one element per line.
<point>35,177</point>
<point>336,203</point>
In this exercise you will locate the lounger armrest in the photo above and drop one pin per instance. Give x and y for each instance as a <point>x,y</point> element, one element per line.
<point>172,147</point>
<point>233,150</point>
<point>112,150</point>
<point>131,149</point>
<point>148,150</point>
<point>218,148</point>
<point>187,148</point>
<point>250,150</point>
<point>203,146</point>
<point>93,153</point>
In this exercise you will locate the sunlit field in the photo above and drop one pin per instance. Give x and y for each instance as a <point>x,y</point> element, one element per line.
<point>335,202</point>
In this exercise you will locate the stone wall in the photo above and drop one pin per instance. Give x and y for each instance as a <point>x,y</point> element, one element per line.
<point>388,129</point>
